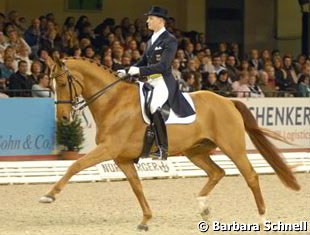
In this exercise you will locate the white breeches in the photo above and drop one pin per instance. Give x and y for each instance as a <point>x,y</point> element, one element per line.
<point>160,93</point>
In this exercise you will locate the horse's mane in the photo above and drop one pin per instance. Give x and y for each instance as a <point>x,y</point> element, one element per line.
<point>92,61</point>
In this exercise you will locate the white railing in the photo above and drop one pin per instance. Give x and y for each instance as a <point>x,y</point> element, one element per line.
<point>26,172</point>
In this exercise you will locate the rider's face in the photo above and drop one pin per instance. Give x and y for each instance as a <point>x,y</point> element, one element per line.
<point>154,22</point>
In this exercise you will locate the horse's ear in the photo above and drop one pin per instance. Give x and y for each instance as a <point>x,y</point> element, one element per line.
<point>50,62</point>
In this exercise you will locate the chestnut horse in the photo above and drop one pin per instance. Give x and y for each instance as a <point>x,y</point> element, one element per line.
<point>120,131</point>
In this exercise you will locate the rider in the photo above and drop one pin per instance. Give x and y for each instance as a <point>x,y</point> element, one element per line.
<point>156,65</point>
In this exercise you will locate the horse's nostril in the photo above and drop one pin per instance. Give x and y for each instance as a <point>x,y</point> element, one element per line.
<point>65,118</point>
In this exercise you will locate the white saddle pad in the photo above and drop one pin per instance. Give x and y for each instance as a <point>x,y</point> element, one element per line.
<point>173,118</point>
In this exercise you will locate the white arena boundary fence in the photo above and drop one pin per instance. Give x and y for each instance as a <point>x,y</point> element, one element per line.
<point>33,172</point>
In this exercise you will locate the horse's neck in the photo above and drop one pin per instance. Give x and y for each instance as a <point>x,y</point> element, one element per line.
<point>96,78</point>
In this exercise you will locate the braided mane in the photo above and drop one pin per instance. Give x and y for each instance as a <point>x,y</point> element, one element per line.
<point>90,61</point>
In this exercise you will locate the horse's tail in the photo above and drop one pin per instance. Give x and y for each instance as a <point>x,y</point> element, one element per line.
<point>265,147</point>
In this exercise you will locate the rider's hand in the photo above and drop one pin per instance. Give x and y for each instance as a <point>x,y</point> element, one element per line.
<point>121,73</point>
<point>133,70</point>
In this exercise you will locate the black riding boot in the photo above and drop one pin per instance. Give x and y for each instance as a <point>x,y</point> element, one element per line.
<point>148,142</point>
<point>161,136</point>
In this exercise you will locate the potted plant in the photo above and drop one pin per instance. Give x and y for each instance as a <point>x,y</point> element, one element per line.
<point>70,137</point>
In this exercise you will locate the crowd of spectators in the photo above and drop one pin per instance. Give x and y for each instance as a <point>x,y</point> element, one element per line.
<point>25,46</point>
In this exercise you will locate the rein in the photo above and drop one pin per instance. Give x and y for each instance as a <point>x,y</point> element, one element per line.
<point>84,103</point>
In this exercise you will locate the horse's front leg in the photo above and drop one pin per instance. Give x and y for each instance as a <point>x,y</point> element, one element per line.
<point>131,173</point>
<point>99,154</point>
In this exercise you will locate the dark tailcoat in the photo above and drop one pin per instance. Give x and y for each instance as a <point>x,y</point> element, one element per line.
<point>157,59</point>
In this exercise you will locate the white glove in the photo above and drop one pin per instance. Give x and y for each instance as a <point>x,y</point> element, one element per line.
<point>121,73</point>
<point>133,70</point>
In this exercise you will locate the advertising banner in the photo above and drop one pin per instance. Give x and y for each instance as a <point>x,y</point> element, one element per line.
<point>290,117</point>
<point>27,126</point>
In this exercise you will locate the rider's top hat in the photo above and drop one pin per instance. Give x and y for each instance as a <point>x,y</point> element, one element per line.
<point>158,11</point>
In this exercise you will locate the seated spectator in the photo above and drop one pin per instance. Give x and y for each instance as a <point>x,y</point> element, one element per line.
<point>76,51</point>
<point>298,65</point>
<point>284,80</point>
<point>188,85</point>
<point>107,61</point>
<point>265,58</point>
<point>17,42</point>
<point>97,59</point>
<point>223,57</point>
<point>244,66</point>
<point>51,40</point>
<point>10,52</point>
<point>117,54</point>
<point>223,83</point>
<point>254,60</point>
<point>68,42</point>
<point>87,32</point>
<point>89,52</point>
<point>42,88</point>
<point>35,70</point>
<point>189,51</point>
<point>14,20</point>
<point>126,61</point>
<point>132,45</point>
<point>42,58</point>
<point>20,81</point>
<point>33,35</point>
<point>119,34</point>
<point>305,70</point>
<point>235,51</point>
<point>256,91</point>
<point>135,56</point>
<point>180,55</point>
<point>207,65</point>
<point>240,87</point>
<point>210,83</point>
<point>24,55</point>
<point>83,19</point>
<point>192,67</point>
<point>289,70</point>
<point>304,86</point>
<point>6,70</point>
<point>266,84</point>
<point>69,24</point>
<point>217,63</point>
<point>199,57</point>
<point>101,39</point>
<point>175,69</point>
<point>84,42</point>
<point>3,44</point>
<point>231,68</point>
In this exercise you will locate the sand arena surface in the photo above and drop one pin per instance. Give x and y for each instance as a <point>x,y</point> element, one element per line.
<point>107,208</point>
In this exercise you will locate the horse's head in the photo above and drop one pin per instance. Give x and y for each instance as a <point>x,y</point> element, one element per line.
<point>68,87</point>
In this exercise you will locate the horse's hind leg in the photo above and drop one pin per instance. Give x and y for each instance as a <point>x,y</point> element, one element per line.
<point>99,154</point>
<point>203,160</point>
<point>131,173</point>
<point>234,148</point>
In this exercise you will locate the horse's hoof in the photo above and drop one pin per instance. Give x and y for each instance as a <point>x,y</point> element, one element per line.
<point>143,227</point>
<point>47,199</point>
<point>205,214</point>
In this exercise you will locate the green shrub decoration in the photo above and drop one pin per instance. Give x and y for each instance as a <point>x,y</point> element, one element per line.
<point>70,134</point>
